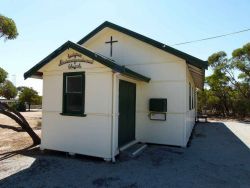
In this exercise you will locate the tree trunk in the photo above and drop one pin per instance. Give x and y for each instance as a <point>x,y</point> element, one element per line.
<point>17,117</point>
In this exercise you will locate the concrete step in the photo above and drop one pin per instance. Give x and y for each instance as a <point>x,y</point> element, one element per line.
<point>134,150</point>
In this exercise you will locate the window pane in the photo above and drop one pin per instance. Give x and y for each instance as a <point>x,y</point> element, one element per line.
<point>73,97</point>
<point>192,97</point>
<point>74,102</point>
<point>189,96</point>
<point>74,84</point>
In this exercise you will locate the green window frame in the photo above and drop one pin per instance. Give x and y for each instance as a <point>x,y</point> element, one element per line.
<point>195,99</point>
<point>192,98</point>
<point>73,94</point>
<point>189,96</point>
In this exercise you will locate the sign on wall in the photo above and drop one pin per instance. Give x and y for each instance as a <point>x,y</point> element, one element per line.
<point>158,116</point>
<point>74,60</point>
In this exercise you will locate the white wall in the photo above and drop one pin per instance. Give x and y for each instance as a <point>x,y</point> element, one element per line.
<point>90,135</point>
<point>190,114</point>
<point>168,80</point>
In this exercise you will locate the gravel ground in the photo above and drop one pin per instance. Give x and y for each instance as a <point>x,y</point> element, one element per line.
<point>216,157</point>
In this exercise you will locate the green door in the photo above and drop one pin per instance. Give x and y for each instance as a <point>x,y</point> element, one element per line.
<point>126,130</point>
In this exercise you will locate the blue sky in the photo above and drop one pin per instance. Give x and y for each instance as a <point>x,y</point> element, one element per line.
<point>45,25</point>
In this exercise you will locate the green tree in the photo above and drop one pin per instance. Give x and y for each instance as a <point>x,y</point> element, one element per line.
<point>218,82</point>
<point>241,61</point>
<point>28,95</point>
<point>3,75</point>
<point>8,90</point>
<point>228,93</point>
<point>38,100</point>
<point>223,66</point>
<point>9,31</point>
<point>8,28</point>
<point>207,100</point>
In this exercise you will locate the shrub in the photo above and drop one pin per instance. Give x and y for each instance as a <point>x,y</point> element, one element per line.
<point>19,106</point>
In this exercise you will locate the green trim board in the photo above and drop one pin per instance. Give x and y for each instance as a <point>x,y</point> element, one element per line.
<point>189,96</point>
<point>95,56</point>
<point>189,59</point>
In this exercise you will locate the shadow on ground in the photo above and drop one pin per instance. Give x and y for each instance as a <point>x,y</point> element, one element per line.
<point>17,129</point>
<point>215,158</point>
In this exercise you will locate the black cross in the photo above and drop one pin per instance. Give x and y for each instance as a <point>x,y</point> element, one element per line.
<point>111,44</point>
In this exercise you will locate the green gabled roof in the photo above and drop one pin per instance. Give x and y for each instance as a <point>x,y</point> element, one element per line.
<point>189,59</point>
<point>97,57</point>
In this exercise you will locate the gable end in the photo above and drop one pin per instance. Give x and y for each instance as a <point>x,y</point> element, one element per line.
<point>189,59</point>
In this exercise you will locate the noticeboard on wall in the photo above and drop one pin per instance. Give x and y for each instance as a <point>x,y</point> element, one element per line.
<point>158,104</point>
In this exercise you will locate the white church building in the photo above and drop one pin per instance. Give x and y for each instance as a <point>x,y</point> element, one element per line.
<point>116,87</point>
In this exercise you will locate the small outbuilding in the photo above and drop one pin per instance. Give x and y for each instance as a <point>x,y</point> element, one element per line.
<point>116,87</point>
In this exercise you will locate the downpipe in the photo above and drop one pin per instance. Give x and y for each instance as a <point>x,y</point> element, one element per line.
<point>114,94</point>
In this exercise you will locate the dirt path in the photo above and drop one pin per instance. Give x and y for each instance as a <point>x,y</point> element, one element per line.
<point>13,137</point>
<point>13,141</point>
